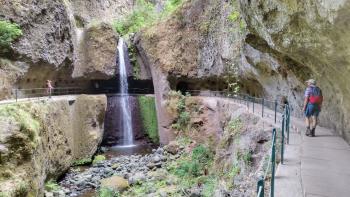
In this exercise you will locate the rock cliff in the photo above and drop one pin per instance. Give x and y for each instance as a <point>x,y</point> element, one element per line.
<point>273,46</point>
<point>62,37</point>
<point>40,141</point>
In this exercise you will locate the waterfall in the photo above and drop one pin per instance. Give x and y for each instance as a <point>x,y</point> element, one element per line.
<point>125,112</point>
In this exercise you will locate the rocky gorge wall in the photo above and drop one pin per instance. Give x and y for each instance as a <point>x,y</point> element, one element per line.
<point>272,46</point>
<point>40,141</point>
<point>73,42</point>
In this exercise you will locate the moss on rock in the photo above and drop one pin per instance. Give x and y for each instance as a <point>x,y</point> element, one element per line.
<point>149,117</point>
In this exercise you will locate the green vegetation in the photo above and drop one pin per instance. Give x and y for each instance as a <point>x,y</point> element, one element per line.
<point>149,117</point>
<point>27,122</point>
<point>246,156</point>
<point>234,126</point>
<point>3,194</point>
<point>232,129</point>
<point>195,164</point>
<point>51,185</point>
<point>133,60</point>
<point>82,162</point>
<point>107,192</point>
<point>193,169</point>
<point>234,16</point>
<point>144,15</point>
<point>9,32</point>
<point>183,119</point>
<point>98,159</point>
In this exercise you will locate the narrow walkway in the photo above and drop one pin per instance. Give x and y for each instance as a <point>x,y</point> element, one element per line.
<point>320,164</point>
<point>313,166</point>
<point>36,99</point>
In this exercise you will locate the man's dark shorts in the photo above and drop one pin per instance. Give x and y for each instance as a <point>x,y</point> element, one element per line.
<point>312,110</point>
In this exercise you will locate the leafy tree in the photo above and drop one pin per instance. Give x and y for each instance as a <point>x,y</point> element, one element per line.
<point>9,32</point>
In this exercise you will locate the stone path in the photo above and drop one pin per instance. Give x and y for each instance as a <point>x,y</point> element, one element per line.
<point>36,99</point>
<point>321,165</point>
<point>313,166</point>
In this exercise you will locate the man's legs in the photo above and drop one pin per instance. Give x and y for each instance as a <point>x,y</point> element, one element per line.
<point>313,125</point>
<point>308,124</point>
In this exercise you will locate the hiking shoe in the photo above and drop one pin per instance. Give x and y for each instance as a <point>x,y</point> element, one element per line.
<point>308,132</point>
<point>313,132</point>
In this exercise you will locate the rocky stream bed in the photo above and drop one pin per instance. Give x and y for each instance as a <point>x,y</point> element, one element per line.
<point>122,170</point>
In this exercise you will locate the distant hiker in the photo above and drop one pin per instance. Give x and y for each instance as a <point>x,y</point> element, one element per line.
<point>49,87</point>
<point>313,99</point>
<point>284,102</point>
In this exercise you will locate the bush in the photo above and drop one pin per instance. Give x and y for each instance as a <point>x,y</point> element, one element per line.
<point>98,159</point>
<point>234,126</point>
<point>8,33</point>
<point>51,185</point>
<point>195,166</point>
<point>144,15</point>
<point>149,117</point>
<point>107,192</point>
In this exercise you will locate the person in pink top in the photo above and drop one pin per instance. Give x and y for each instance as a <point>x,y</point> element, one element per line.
<point>49,87</point>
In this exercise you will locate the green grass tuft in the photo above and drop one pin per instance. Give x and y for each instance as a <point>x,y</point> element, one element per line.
<point>107,192</point>
<point>51,185</point>
<point>27,122</point>
<point>98,159</point>
<point>82,162</point>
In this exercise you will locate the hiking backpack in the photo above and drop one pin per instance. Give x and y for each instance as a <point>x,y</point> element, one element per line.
<point>316,96</point>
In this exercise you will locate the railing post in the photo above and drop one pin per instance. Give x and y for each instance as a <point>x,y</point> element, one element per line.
<point>282,140</point>
<point>275,111</point>
<point>253,105</point>
<point>262,108</point>
<point>16,93</point>
<point>247,99</point>
<point>261,185</point>
<point>288,122</point>
<point>273,161</point>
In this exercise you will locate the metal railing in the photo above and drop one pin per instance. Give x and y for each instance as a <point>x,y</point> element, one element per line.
<point>285,125</point>
<point>45,92</point>
<point>41,92</point>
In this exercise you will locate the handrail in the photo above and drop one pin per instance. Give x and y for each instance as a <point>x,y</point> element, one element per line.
<point>272,156</point>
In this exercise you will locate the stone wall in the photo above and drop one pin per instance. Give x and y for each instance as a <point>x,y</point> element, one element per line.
<point>41,140</point>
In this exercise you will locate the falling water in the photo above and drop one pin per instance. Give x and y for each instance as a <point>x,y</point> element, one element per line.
<point>126,119</point>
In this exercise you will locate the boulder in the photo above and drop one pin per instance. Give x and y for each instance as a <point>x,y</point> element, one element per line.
<point>137,178</point>
<point>173,147</point>
<point>115,182</point>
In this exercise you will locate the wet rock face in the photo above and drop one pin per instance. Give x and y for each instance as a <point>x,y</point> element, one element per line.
<point>113,131</point>
<point>314,35</point>
<point>98,53</point>
<point>46,30</point>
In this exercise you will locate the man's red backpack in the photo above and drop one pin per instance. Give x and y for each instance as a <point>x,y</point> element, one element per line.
<point>316,96</point>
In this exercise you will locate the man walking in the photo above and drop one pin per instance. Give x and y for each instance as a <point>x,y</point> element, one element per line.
<point>312,106</point>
